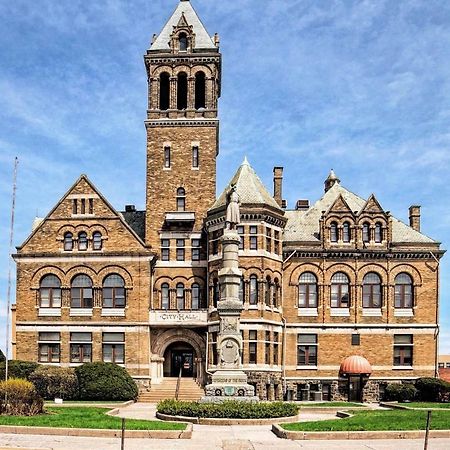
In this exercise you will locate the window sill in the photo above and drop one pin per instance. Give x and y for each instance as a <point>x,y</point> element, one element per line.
<point>195,168</point>
<point>80,312</point>
<point>307,312</point>
<point>49,312</point>
<point>167,168</point>
<point>340,312</point>
<point>113,312</point>
<point>371,312</point>
<point>306,367</point>
<point>406,312</point>
<point>402,368</point>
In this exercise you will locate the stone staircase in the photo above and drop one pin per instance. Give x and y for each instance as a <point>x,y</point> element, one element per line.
<point>189,390</point>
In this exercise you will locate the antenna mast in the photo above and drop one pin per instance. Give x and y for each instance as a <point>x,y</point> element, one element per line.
<point>11,240</point>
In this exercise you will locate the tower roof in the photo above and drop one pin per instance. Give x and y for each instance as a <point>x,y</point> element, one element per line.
<point>184,10</point>
<point>249,187</point>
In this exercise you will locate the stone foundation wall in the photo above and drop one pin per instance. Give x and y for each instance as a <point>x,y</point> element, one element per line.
<point>268,386</point>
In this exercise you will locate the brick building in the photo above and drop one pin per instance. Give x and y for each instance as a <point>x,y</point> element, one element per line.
<point>339,296</point>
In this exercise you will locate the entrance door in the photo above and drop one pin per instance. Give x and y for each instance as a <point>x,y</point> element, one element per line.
<point>355,388</point>
<point>183,359</point>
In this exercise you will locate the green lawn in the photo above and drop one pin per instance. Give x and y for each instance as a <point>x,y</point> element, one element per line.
<point>377,421</point>
<point>426,405</point>
<point>331,405</point>
<point>85,417</point>
<point>82,402</point>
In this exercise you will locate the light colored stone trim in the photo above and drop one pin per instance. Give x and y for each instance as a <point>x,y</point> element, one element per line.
<point>77,258</point>
<point>118,328</point>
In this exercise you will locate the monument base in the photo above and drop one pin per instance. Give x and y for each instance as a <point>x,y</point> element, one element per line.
<point>229,385</point>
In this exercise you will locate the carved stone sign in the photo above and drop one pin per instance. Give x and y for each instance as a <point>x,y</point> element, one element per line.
<point>177,317</point>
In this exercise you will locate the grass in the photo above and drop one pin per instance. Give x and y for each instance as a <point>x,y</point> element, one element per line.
<point>86,417</point>
<point>83,402</point>
<point>394,420</point>
<point>331,405</point>
<point>426,405</point>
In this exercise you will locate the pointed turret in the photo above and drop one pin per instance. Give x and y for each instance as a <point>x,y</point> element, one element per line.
<point>331,180</point>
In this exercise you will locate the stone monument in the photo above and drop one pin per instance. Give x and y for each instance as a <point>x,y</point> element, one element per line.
<point>230,381</point>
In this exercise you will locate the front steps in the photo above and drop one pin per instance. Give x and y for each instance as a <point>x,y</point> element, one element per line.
<point>189,391</point>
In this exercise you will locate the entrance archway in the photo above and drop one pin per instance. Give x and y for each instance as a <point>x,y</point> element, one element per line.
<point>179,358</point>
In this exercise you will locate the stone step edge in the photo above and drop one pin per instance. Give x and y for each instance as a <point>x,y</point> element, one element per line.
<point>87,432</point>
<point>346,435</point>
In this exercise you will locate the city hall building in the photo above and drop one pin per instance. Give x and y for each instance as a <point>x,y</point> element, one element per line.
<point>339,296</point>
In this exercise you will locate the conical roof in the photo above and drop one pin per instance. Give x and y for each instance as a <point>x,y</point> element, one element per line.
<point>249,187</point>
<point>202,38</point>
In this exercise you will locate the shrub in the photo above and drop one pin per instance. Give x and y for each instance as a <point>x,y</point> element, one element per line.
<point>18,369</point>
<point>105,381</point>
<point>228,409</point>
<point>432,389</point>
<point>21,398</point>
<point>52,382</point>
<point>400,392</point>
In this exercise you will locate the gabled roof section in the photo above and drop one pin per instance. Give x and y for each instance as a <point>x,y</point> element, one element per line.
<point>249,187</point>
<point>340,206</point>
<point>58,212</point>
<point>185,13</point>
<point>372,206</point>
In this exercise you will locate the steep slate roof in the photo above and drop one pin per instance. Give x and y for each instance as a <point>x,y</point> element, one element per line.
<point>202,38</point>
<point>249,187</point>
<point>136,220</point>
<point>304,225</point>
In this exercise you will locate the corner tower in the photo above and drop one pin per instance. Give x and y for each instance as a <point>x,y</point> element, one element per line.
<point>183,68</point>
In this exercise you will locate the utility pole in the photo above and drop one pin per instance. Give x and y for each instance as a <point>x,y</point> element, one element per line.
<point>11,240</point>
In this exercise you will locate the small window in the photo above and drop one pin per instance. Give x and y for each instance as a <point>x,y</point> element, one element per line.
<point>307,350</point>
<point>276,292</point>
<point>268,240</point>
<point>49,347</point>
<point>366,232</point>
<point>346,234</point>
<point>74,206</point>
<point>180,296</point>
<point>200,90</point>
<point>340,291</point>
<point>307,290</point>
<point>165,249</point>
<point>181,199</point>
<point>403,350</point>
<point>167,157</point>
<point>403,291</point>
<point>165,299</point>
<point>253,237</point>
<point>195,156</point>
<point>240,231</point>
<point>196,249</point>
<point>275,348</point>
<point>83,206</point>
<point>68,242</point>
<point>183,42</point>
<point>268,291</point>
<point>378,233</point>
<point>82,241</point>
<point>164,93</point>
<point>180,250</point>
<point>242,290</point>
<point>97,241</point>
<point>216,292</point>
<point>114,348</point>
<point>196,296</point>
<point>276,237</point>
<point>253,290</point>
<point>252,347</point>
<point>333,232</point>
<point>372,291</point>
<point>80,347</point>
<point>267,348</point>
<point>91,206</point>
<point>356,339</point>
<point>114,292</point>
<point>182,91</point>
<point>50,292</point>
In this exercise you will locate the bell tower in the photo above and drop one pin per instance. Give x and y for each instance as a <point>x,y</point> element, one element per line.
<point>184,70</point>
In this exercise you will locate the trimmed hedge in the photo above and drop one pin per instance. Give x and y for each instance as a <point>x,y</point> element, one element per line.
<point>21,398</point>
<point>229,409</point>
<point>400,392</point>
<point>105,381</point>
<point>52,382</point>
<point>433,389</point>
<point>18,369</point>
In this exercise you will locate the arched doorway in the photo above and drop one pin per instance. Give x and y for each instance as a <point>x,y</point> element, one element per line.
<point>180,357</point>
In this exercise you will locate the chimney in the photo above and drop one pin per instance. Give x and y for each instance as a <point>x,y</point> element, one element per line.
<point>302,205</point>
<point>414,217</point>
<point>278,185</point>
<point>130,208</point>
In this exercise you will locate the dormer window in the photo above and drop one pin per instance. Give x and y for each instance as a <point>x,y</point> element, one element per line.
<point>68,242</point>
<point>346,232</point>
<point>333,232</point>
<point>82,241</point>
<point>378,233</point>
<point>366,232</point>
<point>183,43</point>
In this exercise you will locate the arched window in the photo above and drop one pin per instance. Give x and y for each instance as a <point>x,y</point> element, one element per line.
<point>216,292</point>
<point>165,299</point>
<point>242,290</point>
<point>182,91</point>
<point>164,91</point>
<point>276,292</point>
<point>196,294</point>
<point>81,292</point>
<point>82,241</point>
<point>200,98</point>
<point>180,296</point>
<point>50,292</point>
<point>267,291</point>
<point>183,42</point>
<point>403,291</point>
<point>113,292</point>
<point>68,242</point>
<point>181,199</point>
<point>333,232</point>
<point>372,290</point>
<point>253,300</point>
<point>307,290</point>
<point>378,233</point>
<point>97,241</point>
<point>366,232</point>
<point>340,290</point>
<point>346,233</point>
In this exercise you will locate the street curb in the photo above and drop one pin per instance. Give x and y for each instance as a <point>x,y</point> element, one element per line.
<point>346,435</point>
<point>85,432</point>
<point>218,421</point>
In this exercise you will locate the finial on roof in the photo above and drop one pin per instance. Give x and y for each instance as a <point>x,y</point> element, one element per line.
<point>245,162</point>
<point>331,180</point>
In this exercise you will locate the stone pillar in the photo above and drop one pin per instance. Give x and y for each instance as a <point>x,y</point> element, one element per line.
<point>191,93</point>
<point>173,92</point>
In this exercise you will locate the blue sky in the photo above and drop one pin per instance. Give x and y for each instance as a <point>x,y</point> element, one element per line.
<point>359,86</point>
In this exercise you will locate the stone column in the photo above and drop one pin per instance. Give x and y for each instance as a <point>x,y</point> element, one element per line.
<point>173,92</point>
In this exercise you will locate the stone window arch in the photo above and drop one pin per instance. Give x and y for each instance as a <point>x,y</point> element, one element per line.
<point>68,241</point>
<point>196,296</point>
<point>97,242</point>
<point>242,290</point>
<point>164,91</point>
<point>403,291</point>
<point>372,294</point>
<point>183,42</point>
<point>378,233</point>
<point>182,90</point>
<point>346,232</point>
<point>165,296</point>
<point>267,291</point>
<point>114,292</point>
<point>81,292</point>
<point>307,290</point>
<point>181,296</point>
<point>253,300</point>
<point>334,232</point>
<point>340,290</point>
<point>50,292</point>
<point>82,241</point>
<point>200,90</point>
<point>366,232</point>
<point>181,199</point>
<point>276,292</point>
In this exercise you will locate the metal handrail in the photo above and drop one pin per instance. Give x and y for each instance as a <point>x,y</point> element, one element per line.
<point>177,389</point>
